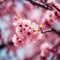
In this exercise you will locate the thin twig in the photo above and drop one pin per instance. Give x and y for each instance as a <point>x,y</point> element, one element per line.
<point>48,30</point>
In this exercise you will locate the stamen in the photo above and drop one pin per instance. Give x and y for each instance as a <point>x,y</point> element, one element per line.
<point>40,26</point>
<point>35,30</point>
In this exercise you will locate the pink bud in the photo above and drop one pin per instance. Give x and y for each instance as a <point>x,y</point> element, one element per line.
<point>45,49</point>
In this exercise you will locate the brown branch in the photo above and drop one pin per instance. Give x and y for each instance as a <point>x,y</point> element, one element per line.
<point>40,4</point>
<point>4,45</point>
<point>55,7</point>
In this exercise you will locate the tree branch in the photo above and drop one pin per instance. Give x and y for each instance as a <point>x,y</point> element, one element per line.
<point>40,4</point>
<point>4,45</point>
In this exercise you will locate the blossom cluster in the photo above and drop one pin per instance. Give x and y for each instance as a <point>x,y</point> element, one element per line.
<point>26,31</point>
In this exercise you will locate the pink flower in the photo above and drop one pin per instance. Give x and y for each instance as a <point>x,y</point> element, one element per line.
<point>26,23</point>
<point>34,26</point>
<point>14,38</point>
<point>17,41</point>
<point>17,22</point>
<point>45,49</point>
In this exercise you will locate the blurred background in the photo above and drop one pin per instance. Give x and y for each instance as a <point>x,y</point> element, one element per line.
<point>11,8</point>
